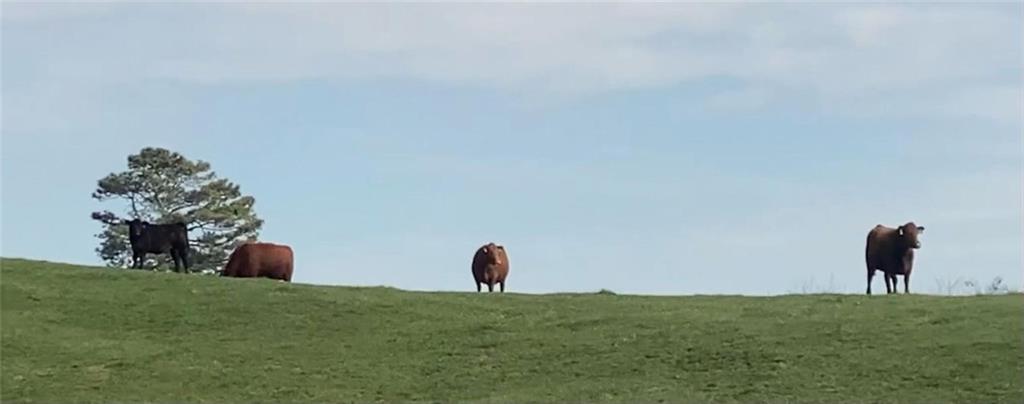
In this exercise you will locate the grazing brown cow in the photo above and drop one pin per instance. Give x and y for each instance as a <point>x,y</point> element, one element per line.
<point>490,266</point>
<point>892,252</point>
<point>254,260</point>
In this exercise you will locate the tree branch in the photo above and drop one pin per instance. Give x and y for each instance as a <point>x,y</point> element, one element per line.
<point>176,209</point>
<point>135,209</point>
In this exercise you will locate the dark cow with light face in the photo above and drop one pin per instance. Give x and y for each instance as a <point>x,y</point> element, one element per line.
<point>892,252</point>
<point>490,266</point>
<point>158,239</point>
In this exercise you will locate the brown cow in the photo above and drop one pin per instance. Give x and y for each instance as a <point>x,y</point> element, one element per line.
<point>254,260</point>
<point>490,266</point>
<point>892,252</point>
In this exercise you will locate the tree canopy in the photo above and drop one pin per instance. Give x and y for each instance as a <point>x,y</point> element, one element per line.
<point>162,186</point>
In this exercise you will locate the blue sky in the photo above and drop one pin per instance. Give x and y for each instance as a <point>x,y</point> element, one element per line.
<point>655,148</point>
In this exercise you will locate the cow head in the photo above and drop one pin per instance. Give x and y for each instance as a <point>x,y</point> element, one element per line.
<point>491,252</point>
<point>909,233</point>
<point>136,227</point>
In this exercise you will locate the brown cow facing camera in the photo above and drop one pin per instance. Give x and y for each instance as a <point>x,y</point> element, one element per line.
<point>490,266</point>
<point>892,252</point>
<point>266,260</point>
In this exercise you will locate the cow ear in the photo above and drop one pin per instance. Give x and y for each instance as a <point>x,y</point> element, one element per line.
<point>920,229</point>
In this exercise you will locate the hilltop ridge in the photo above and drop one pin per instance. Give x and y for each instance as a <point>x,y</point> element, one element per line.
<point>72,333</point>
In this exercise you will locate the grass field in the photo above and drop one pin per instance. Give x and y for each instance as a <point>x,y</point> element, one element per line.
<point>93,335</point>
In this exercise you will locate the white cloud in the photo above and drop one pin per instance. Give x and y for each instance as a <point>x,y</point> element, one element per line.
<point>997,103</point>
<point>850,57</point>
<point>51,12</point>
<point>745,99</point>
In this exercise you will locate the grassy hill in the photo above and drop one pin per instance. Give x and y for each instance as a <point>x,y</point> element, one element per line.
<point>93,335</point>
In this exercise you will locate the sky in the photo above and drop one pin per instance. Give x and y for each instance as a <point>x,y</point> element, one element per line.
<point>657,148</point>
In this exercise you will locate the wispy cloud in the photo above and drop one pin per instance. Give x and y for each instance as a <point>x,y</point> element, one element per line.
<point>835,53</point>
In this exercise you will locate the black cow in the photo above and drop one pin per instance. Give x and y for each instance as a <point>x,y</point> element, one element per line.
<point>158,239</point>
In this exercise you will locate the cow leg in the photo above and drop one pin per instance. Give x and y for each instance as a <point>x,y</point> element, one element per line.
<point>895,281</point>
<point>871,274</point>
<point>490,286</point>
<point>502,283</point>
<point>478,287</point>
<point>184,259</point>
<point>888,287</point>
<point>906,283</point>
<point>137,259</point>
<point>177,260</point>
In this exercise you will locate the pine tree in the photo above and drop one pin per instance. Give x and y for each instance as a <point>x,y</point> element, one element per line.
<point>161,186</point>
